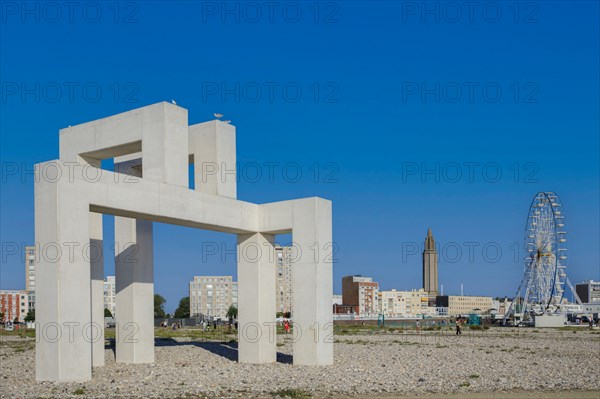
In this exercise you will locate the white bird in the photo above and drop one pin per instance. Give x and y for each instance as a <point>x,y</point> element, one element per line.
<point>173,101</point>
<point>218,116</point>
<point>226,121</point>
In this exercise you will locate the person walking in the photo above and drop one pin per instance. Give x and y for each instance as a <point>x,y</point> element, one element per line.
<point>458,331</point>
<point>286,326</point>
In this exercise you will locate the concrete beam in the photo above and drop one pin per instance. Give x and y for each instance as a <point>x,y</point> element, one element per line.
<point>159,131</point>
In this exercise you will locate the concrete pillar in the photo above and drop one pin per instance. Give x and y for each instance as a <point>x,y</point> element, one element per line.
<point>62,231</point>
<point>134,275</point>
<point>97,288</point>
<point>312,283</point>
<point>212,149</point>
<point>256,299</point>
<point>134,279</point>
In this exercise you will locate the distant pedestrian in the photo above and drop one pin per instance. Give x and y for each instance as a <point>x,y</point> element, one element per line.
<point>418,326</point>
<point>286,326</point>
<point>214,324</point>
<point>458,331</point>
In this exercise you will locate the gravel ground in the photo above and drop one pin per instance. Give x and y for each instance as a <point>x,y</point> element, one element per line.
<point>365,365</point>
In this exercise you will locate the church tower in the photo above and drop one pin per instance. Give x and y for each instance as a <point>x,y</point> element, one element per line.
<point>430,266</point>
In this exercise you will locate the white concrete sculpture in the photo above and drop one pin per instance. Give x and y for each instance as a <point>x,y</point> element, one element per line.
<point>152,148</point>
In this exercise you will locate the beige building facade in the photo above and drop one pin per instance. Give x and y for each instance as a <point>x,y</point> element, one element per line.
<point>212,296</point>
<point>283,270</point>
<point>30,268</point>
<point>464,305</point>
<point>110,297</point>
<point>413,303</point>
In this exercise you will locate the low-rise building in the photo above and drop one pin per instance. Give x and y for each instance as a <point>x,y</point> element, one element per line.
<point>337,300</point>
<point>14,305</point>
<point>464,305</point>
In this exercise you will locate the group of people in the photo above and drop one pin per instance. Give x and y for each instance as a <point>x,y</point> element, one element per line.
<point>175,325</point>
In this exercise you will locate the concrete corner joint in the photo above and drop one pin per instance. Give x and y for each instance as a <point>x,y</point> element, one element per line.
<point>153,148</point>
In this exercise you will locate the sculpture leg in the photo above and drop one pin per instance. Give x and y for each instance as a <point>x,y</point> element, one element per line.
<point>256,299</point>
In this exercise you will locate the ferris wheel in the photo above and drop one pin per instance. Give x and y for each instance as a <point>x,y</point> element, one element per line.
<point>545,278</point>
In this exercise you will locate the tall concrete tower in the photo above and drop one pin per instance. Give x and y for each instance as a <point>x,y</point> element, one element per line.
<point>430,266</point>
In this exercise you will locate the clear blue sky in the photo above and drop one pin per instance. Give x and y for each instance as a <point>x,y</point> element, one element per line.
<point>367,112</point>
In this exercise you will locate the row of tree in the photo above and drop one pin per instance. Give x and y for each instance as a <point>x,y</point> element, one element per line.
<point>30,316</point>
<point>182,311</point>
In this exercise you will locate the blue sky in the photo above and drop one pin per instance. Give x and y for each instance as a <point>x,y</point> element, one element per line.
<point>370,94</point>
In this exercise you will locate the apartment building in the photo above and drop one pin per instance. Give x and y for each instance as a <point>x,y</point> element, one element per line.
<point>362,292</point>
<point>588,291</point>
<point>413,303</point>
<point>464,305</point>
<point>283,278</point>
<point>30,268</point>
<point>212,296</point>
<point>110,296</point>
<point>14,304</point>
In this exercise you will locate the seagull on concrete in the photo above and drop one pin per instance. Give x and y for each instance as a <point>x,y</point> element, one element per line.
<point>173,101</point>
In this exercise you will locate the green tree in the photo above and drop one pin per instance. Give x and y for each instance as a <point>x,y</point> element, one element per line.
<point>159,310</point>
<point>232,312</point>
<point>107,313</point>
<point>183,310</point>
<point>30,315</point>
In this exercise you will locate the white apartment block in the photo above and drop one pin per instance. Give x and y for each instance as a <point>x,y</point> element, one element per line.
<point>212,295</point>
<point>30,268</point>
<point>412,303</point>
<point>283,279</point>
<point>110,296</point>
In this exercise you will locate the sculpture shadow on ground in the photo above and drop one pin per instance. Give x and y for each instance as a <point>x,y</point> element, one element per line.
<point>228,350</point>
